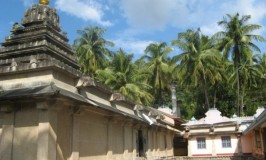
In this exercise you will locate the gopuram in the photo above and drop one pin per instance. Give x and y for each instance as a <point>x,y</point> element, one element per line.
<point>49,110</point>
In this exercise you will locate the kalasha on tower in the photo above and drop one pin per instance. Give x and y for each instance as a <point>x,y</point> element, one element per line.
<point>45,2</point>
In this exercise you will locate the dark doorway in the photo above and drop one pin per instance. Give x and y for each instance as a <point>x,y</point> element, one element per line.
<point>180,146</point>
<point>140,144</point>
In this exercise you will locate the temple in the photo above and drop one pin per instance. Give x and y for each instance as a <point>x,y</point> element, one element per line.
<point>50,111</point>
<point>231,138</point>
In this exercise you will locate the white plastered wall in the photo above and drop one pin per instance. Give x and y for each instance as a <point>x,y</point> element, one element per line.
<point>194,151</point>
<point>226,151</point>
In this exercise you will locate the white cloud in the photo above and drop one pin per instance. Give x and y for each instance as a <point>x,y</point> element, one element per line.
<point>133,46</point>
<point>210,29</point>
<point>215,13</point>
<point>86,10</point>
<point>147,13</point>
<point>255,8</point>
<point>184,14</point>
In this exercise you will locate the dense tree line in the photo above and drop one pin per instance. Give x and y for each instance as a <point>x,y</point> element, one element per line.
<point>226,71</point>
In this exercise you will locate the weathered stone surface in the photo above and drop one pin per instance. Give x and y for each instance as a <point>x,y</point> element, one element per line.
<point>42,14</point>
<point>37,44</point>
<point>34,62</point>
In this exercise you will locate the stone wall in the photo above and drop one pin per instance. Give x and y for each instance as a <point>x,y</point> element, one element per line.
<point>25,134</point>
<point>202,158</point>
<point>214,158</point>
<point>103,138</point>
<point>64,133</point>
<point>33,131</point>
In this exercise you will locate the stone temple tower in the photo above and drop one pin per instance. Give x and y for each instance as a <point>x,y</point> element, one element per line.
<point>37,43</point>
<point>38,77</point>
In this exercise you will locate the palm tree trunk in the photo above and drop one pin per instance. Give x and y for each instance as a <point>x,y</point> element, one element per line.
<point>237,65</point>
<point>238,88</point>
<point>242,100</point>
<point>160,92</point>
<point>206,93</point>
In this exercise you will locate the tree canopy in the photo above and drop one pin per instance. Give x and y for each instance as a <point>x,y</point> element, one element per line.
<point>225,70</point>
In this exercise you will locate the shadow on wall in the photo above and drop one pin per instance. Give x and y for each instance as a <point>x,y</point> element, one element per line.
<point>19,134</point>
<point>61,133</point>
<point>26,134</point>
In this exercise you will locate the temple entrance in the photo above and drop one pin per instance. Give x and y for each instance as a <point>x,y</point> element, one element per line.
<point>140,144</point>
<point>180,146</point>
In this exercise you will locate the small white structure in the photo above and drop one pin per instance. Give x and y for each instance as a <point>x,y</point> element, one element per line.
<point>216,135</point>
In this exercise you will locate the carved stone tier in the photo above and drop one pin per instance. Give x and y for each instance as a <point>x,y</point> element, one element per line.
<point>41,14</point>
<point>35,32</point>
<point>39,36</point>
<point>38,61</point>
<point>39,46</point>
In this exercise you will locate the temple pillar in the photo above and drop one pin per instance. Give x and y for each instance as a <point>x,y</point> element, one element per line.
<point>149,142</point>
<point>124,142</point>
<point>109,140</point>
<point>127,138</point>
<point>6,143</point>
<point>47,138</point>
<point>213,146</point>
<point>189,147</point>
<point>75,138</point>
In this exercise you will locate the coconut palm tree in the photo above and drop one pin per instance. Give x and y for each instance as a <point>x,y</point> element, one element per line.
<point>259,92</point>
<point>91,51</point>
<point>250,76</point>
<point>250,73</point>
<point>155,56</point>
<point>237,40</point>
<point>261,60</point>
<point>200,63</point>
<point>123,76</point>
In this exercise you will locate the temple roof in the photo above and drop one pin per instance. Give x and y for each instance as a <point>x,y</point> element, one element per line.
<point>213,116</point>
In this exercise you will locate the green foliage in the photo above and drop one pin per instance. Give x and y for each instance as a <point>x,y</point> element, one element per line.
<point>200,63</point>
<point>187,100</point>
<point>223,71</point>
<point>157,66</point>
<point>237,40</point>
<point>123,76</point>
<point>91,51</point>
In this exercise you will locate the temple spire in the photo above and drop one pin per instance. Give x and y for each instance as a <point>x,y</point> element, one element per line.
<point>44,2</point>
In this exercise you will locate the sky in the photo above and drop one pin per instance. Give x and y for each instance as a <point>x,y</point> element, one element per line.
<point>133,24</point>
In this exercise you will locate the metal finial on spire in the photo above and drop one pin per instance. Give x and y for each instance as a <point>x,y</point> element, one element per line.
<point>44,2</point>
